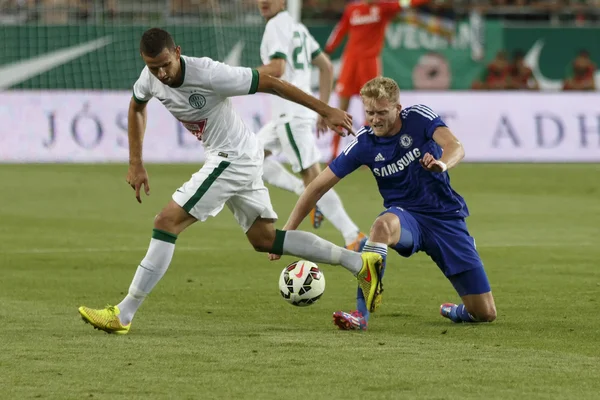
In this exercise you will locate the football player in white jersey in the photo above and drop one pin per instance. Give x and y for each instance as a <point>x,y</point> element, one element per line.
<point>288,51</point>
<point>196,91</point>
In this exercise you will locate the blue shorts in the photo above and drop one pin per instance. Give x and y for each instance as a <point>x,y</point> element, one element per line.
<point>448,243</point>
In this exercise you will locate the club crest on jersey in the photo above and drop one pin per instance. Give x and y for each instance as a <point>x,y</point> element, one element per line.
<point>197,101</point>
<point>406,141</point>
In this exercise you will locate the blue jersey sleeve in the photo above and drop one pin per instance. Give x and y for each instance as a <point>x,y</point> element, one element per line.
<point>428,118</point>
<point>347,161</point>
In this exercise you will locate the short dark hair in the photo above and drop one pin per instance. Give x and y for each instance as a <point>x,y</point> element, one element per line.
<point>154,41</point>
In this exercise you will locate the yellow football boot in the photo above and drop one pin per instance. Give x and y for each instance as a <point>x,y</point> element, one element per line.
<point>369,280</point>
<point>106,319</point>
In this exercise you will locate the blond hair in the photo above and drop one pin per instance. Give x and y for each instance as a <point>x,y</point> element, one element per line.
<point>381,88</point>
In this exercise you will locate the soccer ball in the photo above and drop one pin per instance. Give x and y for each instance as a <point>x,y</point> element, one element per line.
<point>301,283</point>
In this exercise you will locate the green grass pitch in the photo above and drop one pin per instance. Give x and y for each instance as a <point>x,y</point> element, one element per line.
<point>216,328</point>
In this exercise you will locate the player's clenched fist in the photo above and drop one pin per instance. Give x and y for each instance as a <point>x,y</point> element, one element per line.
<point>431,164</point>
<point>136,177</point>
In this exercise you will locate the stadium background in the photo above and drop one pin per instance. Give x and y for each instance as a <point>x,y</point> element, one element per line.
<point>71,232</point>
<point>68,69</point>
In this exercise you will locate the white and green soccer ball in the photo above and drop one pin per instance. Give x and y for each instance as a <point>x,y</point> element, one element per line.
<point>301,283</point>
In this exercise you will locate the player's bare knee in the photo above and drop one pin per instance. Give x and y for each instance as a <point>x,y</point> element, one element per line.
<point>488,314</point>
<point>381,230</point>
<point>262,235</point>
<point>262,244</point>
<point>165,222</point>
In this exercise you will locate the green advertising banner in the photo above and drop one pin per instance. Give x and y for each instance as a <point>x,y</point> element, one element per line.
<point>550,51</point>
<point>417,59</point>
<point>107,57</point>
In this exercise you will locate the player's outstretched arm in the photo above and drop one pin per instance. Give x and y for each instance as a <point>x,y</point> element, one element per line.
<point>323,62</point>
<point>307,201</point>
<point>336,119</point>
<point>339,31</point>
<point>275,68</point>
<point>136,126</point>
<point>452,151</point>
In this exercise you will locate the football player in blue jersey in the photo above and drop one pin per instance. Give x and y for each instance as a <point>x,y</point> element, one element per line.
<point>409,152</point>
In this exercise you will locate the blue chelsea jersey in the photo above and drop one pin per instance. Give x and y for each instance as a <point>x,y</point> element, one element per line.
<point>394,162</point>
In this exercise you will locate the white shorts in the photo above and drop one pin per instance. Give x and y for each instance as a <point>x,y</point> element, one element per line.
<point>295,139</point>
<point>237,183</point>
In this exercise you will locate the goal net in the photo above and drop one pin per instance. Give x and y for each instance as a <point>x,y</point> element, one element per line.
<point>68,68</point>
<point>84,44</point>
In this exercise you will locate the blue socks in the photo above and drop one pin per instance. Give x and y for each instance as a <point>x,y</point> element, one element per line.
<point>463,315</point>
<point>361,306</point>
<point>460,314</point>
<point>372,247</point>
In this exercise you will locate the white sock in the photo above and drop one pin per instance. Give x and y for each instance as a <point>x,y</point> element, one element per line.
<point>149,272</point>
<point>330,204</point>
<point>332,208</point>
<point>375,247</point>
<point>311,247</point>
<point>275,174</point>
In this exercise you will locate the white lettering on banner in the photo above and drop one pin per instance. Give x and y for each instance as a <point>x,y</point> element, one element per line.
<point>80,126</point>
<point>410,37</point>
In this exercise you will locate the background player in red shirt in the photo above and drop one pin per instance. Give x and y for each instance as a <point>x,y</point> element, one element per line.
<point>365,24</point>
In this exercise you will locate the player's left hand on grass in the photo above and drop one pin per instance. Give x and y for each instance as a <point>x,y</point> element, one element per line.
<point>136,177</point>
<point>274,257</point>
<point>431,164</point>
<point>338,120</point>
<point>322,127</point>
